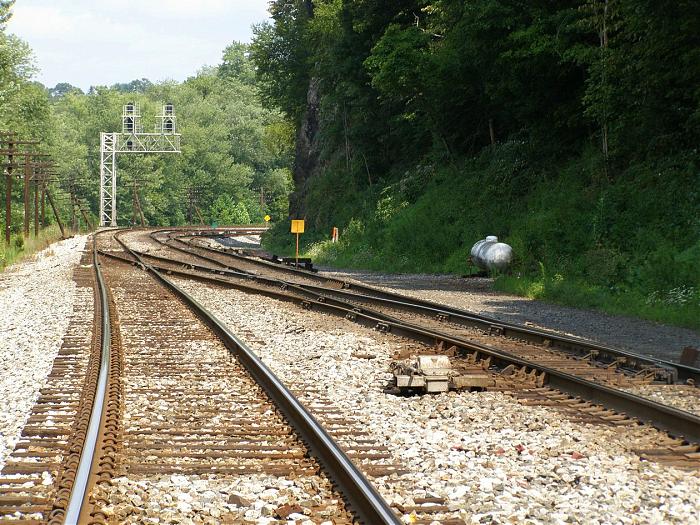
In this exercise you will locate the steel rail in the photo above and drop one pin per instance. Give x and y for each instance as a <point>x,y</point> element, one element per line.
<point>363,498</point>
<point>368,293</point>
<point>677,422</point>
<point>79,492</point>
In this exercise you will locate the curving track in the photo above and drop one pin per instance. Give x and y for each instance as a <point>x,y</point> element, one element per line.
<point>588,377</point>
<point>185,402</point>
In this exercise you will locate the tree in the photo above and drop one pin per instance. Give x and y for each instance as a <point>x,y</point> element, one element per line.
<point>236,65</point>
<point>63,88</point>
<point>5,12</point>
<point>225,211</point>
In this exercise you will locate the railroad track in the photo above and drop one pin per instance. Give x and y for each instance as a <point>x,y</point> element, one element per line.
<point>36,481</point>
<point>601,382</point>
<point>565,353</point>
<point>664,370</point>
<point>163,397</point>
<point>162,425</point>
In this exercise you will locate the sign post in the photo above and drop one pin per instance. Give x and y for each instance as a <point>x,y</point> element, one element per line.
<point>297,227</point>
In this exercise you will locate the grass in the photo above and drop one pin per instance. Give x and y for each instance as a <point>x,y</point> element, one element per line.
<point>678,307</point>
<point>21,249</point>
<point>629,245</point>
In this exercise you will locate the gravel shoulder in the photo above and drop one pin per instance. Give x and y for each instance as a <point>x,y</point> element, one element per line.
<point>492,459</point>
<point>477,294</point>
<point>36,301</point>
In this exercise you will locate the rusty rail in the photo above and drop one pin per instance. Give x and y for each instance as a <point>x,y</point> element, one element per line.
<point>363,498</point>
<point>666,370</point>
<point>677,422</point>
<point>81,484</point>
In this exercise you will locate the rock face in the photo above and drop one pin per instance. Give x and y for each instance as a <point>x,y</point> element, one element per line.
<point>307,151</point>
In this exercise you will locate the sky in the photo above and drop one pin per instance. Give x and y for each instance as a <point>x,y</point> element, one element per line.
<point>95,42</point>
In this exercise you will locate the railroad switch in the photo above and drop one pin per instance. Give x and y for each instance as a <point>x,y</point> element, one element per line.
<point>434,374</point>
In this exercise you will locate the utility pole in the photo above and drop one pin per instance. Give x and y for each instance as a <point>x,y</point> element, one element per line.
<point>84,214</point>
<point>71,196</point>
<point>43,202</point>
<point>199,214</point>
<point>34,169</point>
<point>27,178</point>
<point>36,206</point>
<point>190,198</point>
<point>11,137</point>
<point>193,194</point>
<point>136,210</point>
<point>55,213</point>
<point>42,178</point>
<point>12,152</point>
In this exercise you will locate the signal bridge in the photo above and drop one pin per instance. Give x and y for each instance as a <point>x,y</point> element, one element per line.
<point>132,139</point>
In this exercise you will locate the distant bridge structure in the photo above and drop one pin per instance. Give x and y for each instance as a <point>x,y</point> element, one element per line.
<point>132,139</point>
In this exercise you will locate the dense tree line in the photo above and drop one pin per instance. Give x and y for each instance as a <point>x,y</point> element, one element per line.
<point>398,81</point>
<point>568,127</point>
<point>234,166</point>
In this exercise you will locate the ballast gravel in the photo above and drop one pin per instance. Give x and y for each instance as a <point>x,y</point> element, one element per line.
<point>189,500</point>
<point>492,459</point>
<point>36,301</point>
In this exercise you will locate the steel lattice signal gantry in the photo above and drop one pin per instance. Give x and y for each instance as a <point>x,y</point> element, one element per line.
<point>132,139</point>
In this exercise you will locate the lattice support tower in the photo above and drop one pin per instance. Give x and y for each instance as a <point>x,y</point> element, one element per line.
<point>132,140</point>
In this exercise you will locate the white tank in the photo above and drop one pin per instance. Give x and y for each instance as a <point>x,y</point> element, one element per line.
<point>489,254</point>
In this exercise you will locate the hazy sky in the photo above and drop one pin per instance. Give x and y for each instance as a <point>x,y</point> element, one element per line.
<point>95,42</point>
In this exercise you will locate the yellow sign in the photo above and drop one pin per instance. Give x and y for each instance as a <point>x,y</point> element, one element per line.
<point>267,218</point>
<point>298,226</point>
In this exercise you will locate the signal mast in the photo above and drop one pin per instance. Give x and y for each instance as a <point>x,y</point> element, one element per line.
<point>132,139</point>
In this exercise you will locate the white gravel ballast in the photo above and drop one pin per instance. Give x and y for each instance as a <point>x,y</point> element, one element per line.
<point>492,459</point>
<point>36,301</point>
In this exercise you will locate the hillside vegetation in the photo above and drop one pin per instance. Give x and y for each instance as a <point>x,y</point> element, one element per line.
<point>569,129</point>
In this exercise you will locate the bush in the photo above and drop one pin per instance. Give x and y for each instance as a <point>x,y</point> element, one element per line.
<point>578,238</point>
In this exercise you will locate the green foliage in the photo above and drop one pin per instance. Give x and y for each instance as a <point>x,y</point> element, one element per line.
<point>628,246</point>
<point>21,248</point>
<point>235,64</point>
<point>225,211</point>
<point>282,55</point>
<point>5,12</point>
<point>231,146</point>
<point>569,129</point>
<point>63,88</point>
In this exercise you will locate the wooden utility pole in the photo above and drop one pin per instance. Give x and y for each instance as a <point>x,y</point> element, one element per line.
<point>85,217</point>
<point>73,216</point>
<point>12,152</point>
<point>193,197</point>
<point>199,214</point>
<point>27,178</point>
<point>43,202</point>
<point>55,213</point>
<point>8,186</point>
<point>36,206</point>
<point>37,175</point>
<point>136,205</point>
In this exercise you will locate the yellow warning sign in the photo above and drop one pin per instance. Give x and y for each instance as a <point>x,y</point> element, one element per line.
<point>267,218</point>
<point>298,226</point>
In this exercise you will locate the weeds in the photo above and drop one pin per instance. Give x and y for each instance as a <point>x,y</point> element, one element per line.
<point>630,246</point>
<point>21,248</point>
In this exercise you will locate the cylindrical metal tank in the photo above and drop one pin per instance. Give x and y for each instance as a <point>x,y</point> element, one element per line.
<point>489,254</point>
